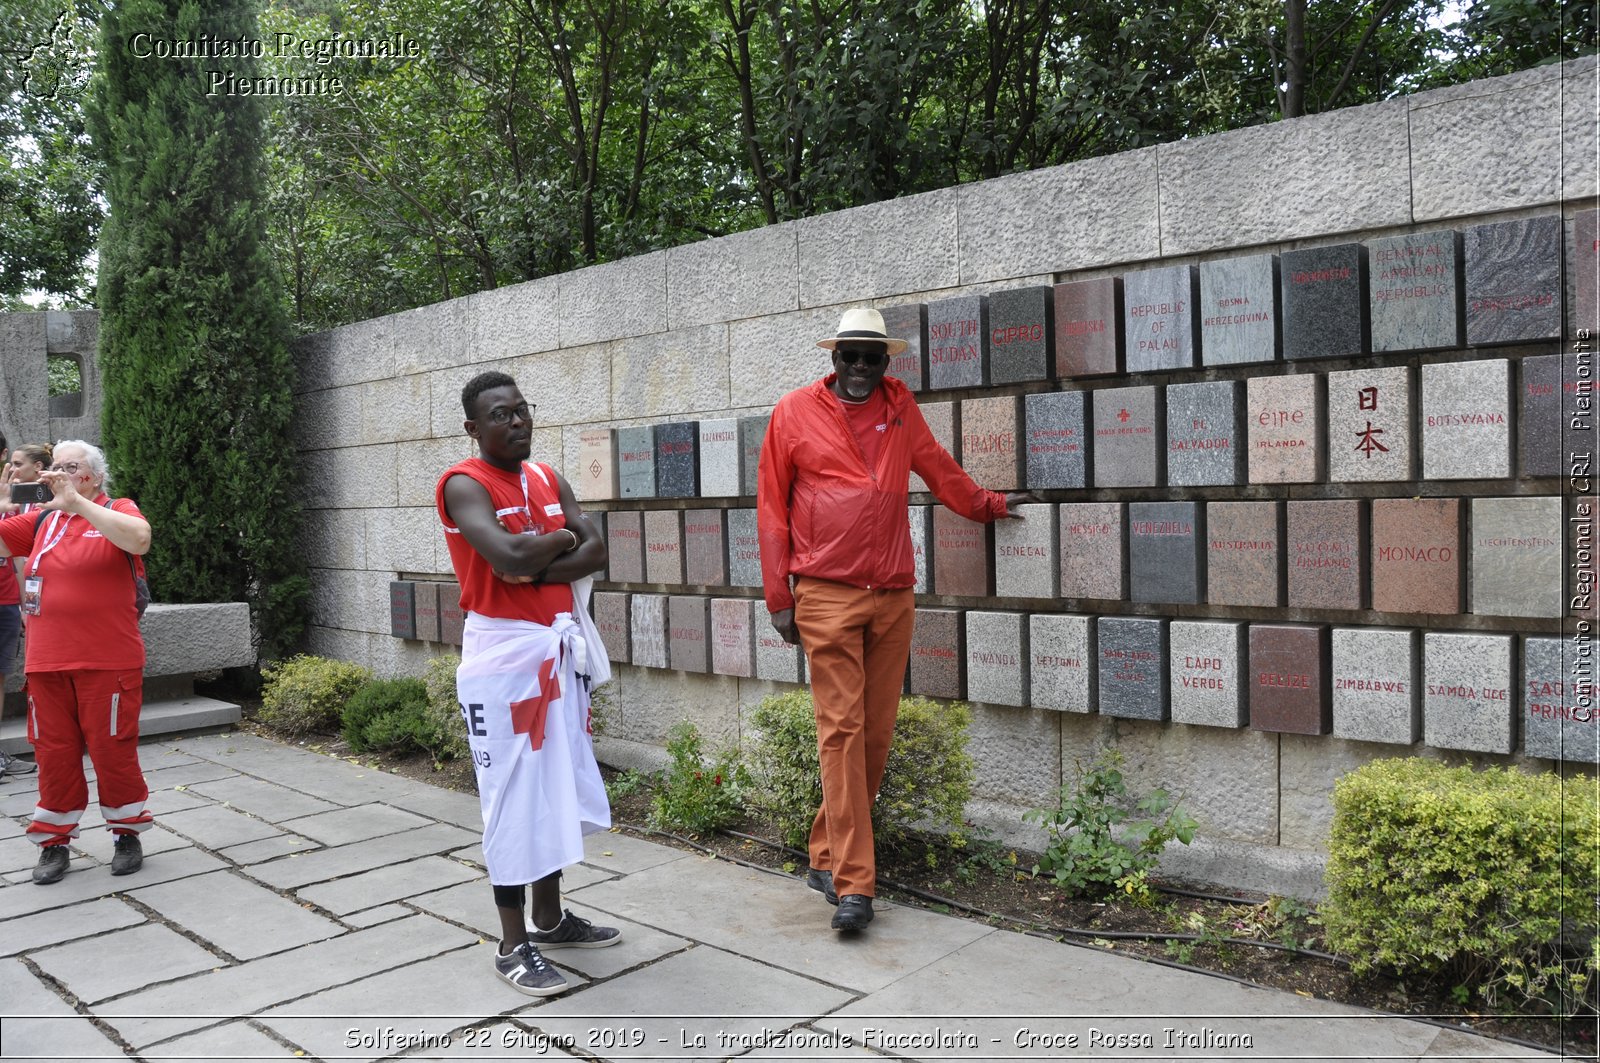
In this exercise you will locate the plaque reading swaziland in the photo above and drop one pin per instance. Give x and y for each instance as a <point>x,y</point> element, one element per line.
<point>403,609</point>
<point>719,458</point>
<point>744,549</point>
<point>1093,561</point>
<point>663,546</point>
<point>1205,433</point>
<point>1244,553</point>
<point>1288,679</point>
<point>1417,560</point>
<point>1513,281</point>
<point>1205,658</point>
<point>611,619</point>
<point>1159,320</point>
<point>1020,321</point>
<point>705,548</point>
<point>1324,302</point>
<point>1055,440</point>
<point>936,654</point>
<point>989,430</point>
<point>776,660</point>
<point>752,430</point>
<point>625,545</point>
<point>688,619</point>
<point>1088,327</point>
<point>909,322</point>
<point>1375,695</point>
<point>1061,662</point>
<point>1283,426</point>
<point>649,630</point>
<point>1514,568</point>
<point>732,648</point>
<point>428,611</point>
<point>677,459</point>
<point>1369,425</point>
<point>1467,692</point>
<point>1025,560</point>
<point>1415,291</point>
<point>1239,310</point>
<point>961,559</point>
<point>997,653</point>
<point>1559,710</point>
<point>1466,420</point>
<point>1132,667</point>
<point>1326,554</point>
<point>1556,419</point>
<point>636,462</point>
<point>958,342</point>
<point>1129,424</point>
<point>596,477</point>
<point>1166,552</point>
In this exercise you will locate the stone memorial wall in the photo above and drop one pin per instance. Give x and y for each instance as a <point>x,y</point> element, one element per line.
<point>1314,463</point>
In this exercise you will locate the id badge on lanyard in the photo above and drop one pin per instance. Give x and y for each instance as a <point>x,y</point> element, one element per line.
<point>32,591</point>
<point>32,582</point>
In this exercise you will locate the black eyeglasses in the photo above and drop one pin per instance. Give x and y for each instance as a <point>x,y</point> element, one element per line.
<point>503,414</point>
<point>869,358</point>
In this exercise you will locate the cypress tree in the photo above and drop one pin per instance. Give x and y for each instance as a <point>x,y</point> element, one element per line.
<point>194,348</point>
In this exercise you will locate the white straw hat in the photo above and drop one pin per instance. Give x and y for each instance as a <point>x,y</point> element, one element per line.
<point>863,325</point>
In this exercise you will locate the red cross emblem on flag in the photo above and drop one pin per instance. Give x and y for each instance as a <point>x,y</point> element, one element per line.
<point>528,715</point>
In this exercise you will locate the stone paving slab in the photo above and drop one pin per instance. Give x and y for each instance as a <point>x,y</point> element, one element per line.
<point>383,913</point>
<point>393,882</point>
<point>269,849</point>
<point>40,1025</point>
<point>356,824</point>
<point>324,864</point>
<point>216,827</point>
<point>66,924</point>
<point>164,776</point>
<point>263,799</point>
<point>118,962</point>
<point>17,854</point>
<point>236,1040</point>
<point>626,854</point>
<point>236,915</point>
<point>86,881</point>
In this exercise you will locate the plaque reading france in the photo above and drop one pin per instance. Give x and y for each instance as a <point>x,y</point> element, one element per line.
<point>989,430</point>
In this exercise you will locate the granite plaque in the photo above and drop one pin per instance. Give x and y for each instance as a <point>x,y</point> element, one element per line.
<point>961,556</point>
<point>1287,683</point>
<point>636,462</point>
<point>1239,310</point>
<point>937,657</point>
<point>1583,586</point>
<point>958,342</point>
<point>625,545</point>
<point>921,520</point>
<point>1558,698</point>
<point>1284,429</point>
<point>1055,440</point>
<point>452,618</point>
<point>1025,559</point>
<point>1583,273</point>
<point>1466,420</point>
<point>1513,281</point>
<point>941,418</point>
<point>1415,292</point>
<point>744,549</point>
<point>1166,552</point>
<point>1205,433</point>
<point>428,611</point>
<point>732,624</point>
<point>1159,321</point>
<point>1324,302</point>
<point>719,458</point>
<point>1205,660</point>
<point>1128,448</point>
<point>1514,567</point>
<point>1467,692</point>
<point>611,618</point>
<point>909,322</point>
<point>597,520</point>
<point>776,660</point>
<point>663,546</point>
<point>1375,685</point>
<point>1132,667</point>
<point>1061,662</point>
<point>1417,560</point>
<point>649,634</point>
<point>1244,553</point>
<point>596,477</point>
<point>677,459</point>
<point>688,620</point>
<point>1021,326</point>
<point>1094,562</point>
<point>1556,418</point>
<point>1326,554</point>
<point>705,548</point>
<point>1369,425</point>
<point>402,609</point>
<point>752,431</point>
<point>989,430</point>
<point>997,654</point>
<point>1088,327</point>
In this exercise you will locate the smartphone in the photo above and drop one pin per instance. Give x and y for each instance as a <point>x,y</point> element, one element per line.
<point>25,493</point>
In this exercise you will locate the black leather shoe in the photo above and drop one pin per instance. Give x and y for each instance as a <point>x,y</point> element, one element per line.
<point>822,882</point>
<point>127,855</point>
<point>855,912</point>
<point>52,865</point>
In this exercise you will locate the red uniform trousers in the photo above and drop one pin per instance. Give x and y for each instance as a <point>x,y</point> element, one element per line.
<point>97,710</point>
<point>858,642</point>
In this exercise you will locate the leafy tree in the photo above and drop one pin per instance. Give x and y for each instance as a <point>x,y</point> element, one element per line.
<point>193,349</point>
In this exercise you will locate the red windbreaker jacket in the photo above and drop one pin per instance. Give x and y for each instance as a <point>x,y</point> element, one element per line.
<point>821,512</point>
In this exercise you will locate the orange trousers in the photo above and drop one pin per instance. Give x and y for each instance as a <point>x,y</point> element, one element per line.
<point>858,642</point>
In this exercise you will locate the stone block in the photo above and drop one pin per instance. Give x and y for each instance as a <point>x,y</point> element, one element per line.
<point>958,342</point>
<point>1414,295</point>
<point>1467,692</point>
<point>1514,560</point>
<point>1583,274</point>
<point>427,611</point>
<point>1558,698</point>
<point>962,561</point>
<point>1466,420</point>
<point>937,654</point>
<point>1132,667</point>
<point>595,477</point>
<point>688,619</point>
<point>611,619</point>
<point>1375,697</point>
<point>648,636</point>
<point>1088,325</point>
<point>942,422</point>
<point>914,242</point>
<point>776,660</point>
<point>1206,660</point>
<point>1061,662</point>
<point>627,297</point>
<point>403,609</point>
<point>1239,310</point>
<point>732,631</point>
<point>1205,434</point>
<point>636,462</point>
<point>1583,574</point>
<point>1021,329</point>
<point>1556,415</point>
<point>1513,281</point>
<point>719,458</point>
<point>452,618</point>
<point>705,548</point>
<point>1055,443</point>
<point>744,549</point>
<point>1284,429</point>
<point>921,521</point>
<point>625,544</point>
<point>663,546</point>
<point>1094,561</point>
<point>677,459</point>
<point>1159,324</point>
<point>1287,685</point>
<point>1025,558</point>
<point>909,322</point>
<point>1369,425</point>
<point>1128,448</point>
<point>1166,552</point>
<point>788,357</point>
<point>597,519</point>
<point>997,656</point>
<point>1244,553</point>
<point>1417,560</point>
<point>989,431</point>
<point>1326,554</point>
<point>752,431</point>
<point>1324,293</point>
<point>746,274</point>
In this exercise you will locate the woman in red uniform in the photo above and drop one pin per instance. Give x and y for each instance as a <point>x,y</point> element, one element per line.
<point>24,466</point>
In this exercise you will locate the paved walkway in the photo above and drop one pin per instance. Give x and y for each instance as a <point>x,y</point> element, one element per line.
<point>293,905</point>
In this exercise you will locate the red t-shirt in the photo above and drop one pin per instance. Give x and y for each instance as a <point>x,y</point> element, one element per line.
<point>10,592</point>
<point>868,420</point>
<point>534,513</point>
<point>87,618</point>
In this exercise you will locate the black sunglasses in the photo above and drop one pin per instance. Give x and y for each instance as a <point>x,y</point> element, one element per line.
<point>875,356</point>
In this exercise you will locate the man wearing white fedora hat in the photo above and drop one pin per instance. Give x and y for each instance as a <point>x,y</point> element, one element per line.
<point>837,569</point>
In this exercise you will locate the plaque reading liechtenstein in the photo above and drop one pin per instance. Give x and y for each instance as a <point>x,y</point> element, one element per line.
<point>1159,321</point>
<point>1513,280</point>
<point>1020,334</point>
<point>1467,692</point>
<point>1515,564</point>
<point>1088,321</point>
<point>1560,718</point>
<point>1466,420</point>
<point>1415,291</point>
<point>958,342</point>
<point>1055,440</point>
<point>909,322</point>
<point>1205,434</point>
<point>1375,689</point>
<point>1239,310</point>
<point>1324,301</point>
<point>1369,425</point>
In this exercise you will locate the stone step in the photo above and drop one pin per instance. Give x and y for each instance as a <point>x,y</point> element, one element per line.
<point>159,717</point>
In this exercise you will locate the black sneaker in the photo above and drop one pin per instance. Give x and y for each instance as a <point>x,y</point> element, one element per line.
<point>822,882</point>
<point>574,932</point>
<point>127,854</point>
<point>528,972</point>
<point>855,912</point>
<point>53,861</point>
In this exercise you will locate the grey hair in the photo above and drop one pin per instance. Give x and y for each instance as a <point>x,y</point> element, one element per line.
<point>95,457</point>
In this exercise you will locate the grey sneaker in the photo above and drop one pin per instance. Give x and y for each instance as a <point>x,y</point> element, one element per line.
<point>10,765</point>
<point>574,932</point>
<point>528,972</point>
<point>53,861</point>
<point>127,854</point>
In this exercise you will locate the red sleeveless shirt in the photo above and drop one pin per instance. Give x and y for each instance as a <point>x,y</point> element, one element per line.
<point>526,504</point>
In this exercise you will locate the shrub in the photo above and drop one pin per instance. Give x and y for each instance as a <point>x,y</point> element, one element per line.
<point>390,714</point>
<point>1487,878</point>
<point>1095,847</point>
<point>926,781</point>
<point>444,708</point>
<point>306,694</point>
<point>692,794</point>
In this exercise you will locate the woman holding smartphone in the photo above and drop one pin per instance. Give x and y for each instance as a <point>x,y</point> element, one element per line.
<point>22,466</point>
